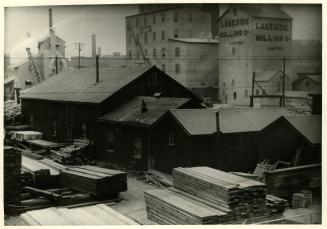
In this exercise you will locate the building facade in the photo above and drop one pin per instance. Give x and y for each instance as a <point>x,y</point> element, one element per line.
<point>252,38</point>
<point>154,33</point>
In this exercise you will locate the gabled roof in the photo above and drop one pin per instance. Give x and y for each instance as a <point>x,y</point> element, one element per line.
<point>236,120</point>
<point>130,112</point>
<point>46,37</point>
<point>260,11</point>
<point>269,75</point>
<point>79,85</point>
<point>308,125</point>
<point>315,77</point>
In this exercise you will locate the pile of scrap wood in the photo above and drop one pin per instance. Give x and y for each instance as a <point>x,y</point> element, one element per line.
<point>43,174</point>
<point>97,181</point>
<point>75,154</point>
<point>275,204</point>
<point>234,197</point>
<point>12,176</point>
<point>158,178</point>
<point>99,214</point>
<point>284,182</point>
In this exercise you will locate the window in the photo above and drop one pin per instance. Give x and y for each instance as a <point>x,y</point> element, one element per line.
<point>162,18</point>
<point>163,35</point>
<point>154,19</point>
<point>163,52</point>
<point>154,36</point>
<point>307,83</point>
<point>175,33</point>
<point>175,17</point>
<point>171,138</point>
<point>177,51</point>
<point>130,54</point>
<point>233,50</point>
<point>110,140</point>
<point>233,82</point>
<point>137,148</point>
<point>137,39</point>
<point>234,95</point>
<point>153,79</point>
<point>137,22</point>
<point>189,17</point>
<point>54,128</point>
<point>177,68</point>
<point>145,37</point>
<point>32,121</point>
<point>163,67</point>
<point>154,52</point>
<point>145,20</point>
<point>257,92</point>
<point>246,93</point>
<point>84,130</point>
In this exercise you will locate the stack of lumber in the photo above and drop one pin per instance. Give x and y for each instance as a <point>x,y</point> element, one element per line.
<point>42,174</point>
<point>12,175</point>
<point>75,154</point>
<point>169,207</point>
<point>284,182</point>
<point>94,180</point>
<point>99,214</point>
<point>33,154</point>
<point>275,204</point>
<point>26,135</point>
<point>243,196</point>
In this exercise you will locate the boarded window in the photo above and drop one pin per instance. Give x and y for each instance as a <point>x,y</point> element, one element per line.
<point>84,130</point>
<point>171,138</point>
<point>110,140</point>
<point>54,128</point>
<point>137,153</point>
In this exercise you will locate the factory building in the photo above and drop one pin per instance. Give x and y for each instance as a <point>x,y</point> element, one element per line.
<point>158,33</point>
<point>252,38</point>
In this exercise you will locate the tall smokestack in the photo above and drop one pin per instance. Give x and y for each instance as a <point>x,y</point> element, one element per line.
<point>99,51</point>
<point>50,19</point>
<point>97,79</point>
<point>94,45</point>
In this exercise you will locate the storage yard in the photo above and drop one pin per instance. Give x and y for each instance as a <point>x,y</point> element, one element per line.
<point>152,142</point>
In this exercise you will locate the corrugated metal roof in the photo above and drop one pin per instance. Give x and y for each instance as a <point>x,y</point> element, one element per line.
<point>79,85</point>
<point>308,125</point>
<point>130,112</point>
<point>264,11</point>
<point>236,120</point>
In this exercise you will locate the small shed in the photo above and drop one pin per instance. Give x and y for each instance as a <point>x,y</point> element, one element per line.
<point>295,139</point>
<point>125,134</point>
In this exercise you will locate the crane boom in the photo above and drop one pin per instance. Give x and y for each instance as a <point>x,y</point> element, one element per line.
<point>37,77</point>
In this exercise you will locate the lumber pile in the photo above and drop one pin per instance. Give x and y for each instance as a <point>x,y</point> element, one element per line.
<point>97,181</point>
<point>42,174</point>
<point>37,155</point>
<point>235,198</point>
<point>75,154</point>
<point>12,176</point>
<point>26,135</point>
<point>169,207</point>
<point>99,214</point>
<point>284,182</point>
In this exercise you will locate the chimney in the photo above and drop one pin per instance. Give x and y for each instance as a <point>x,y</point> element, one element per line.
<point>97,80</point>
<point>50,19</point>
<point>94,45</point>
<point>99,51</point>
<point>217,124</point>
<point>144,107</point>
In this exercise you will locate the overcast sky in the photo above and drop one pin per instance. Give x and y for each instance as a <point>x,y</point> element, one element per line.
<point>77,23</point>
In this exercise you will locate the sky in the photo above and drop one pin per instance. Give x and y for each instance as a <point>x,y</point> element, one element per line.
<point>24,26</point>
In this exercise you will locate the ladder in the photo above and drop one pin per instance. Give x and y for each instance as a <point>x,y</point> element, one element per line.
<point>139,45</point>
<point>35,71</point>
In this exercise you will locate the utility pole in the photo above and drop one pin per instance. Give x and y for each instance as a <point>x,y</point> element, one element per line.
<point>79,46</point>
<point>56,65</point>
<point>284,60</point>
<point>253,79</point>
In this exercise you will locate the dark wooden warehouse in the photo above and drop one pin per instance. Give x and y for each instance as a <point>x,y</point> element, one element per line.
<point>67,105</point>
